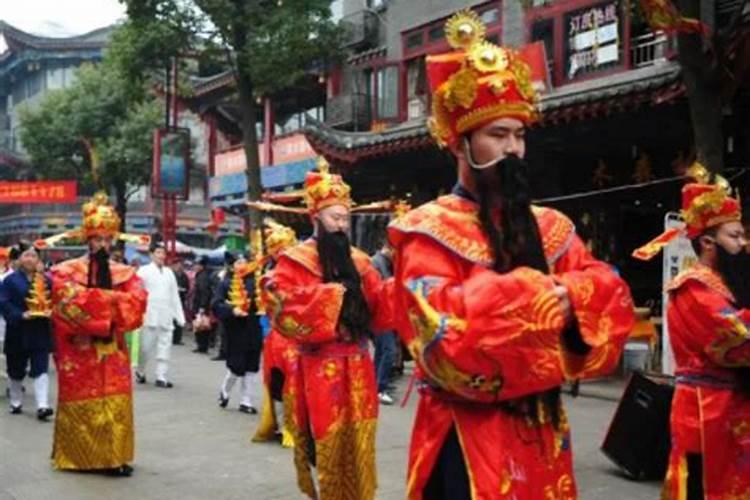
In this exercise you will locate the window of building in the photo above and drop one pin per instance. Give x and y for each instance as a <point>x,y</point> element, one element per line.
<point>35,83</point>
<point>436,33</point>
<point>19,92</point>
<point>55,77</point>
<point>387,86</point>
<point>416,88</point>
<point>415,40</point>
<point>543,30</point>
<point>490,16</point>
<point>430,38</point>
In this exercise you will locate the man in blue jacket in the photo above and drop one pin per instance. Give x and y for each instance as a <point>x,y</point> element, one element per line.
<point>28,339</point>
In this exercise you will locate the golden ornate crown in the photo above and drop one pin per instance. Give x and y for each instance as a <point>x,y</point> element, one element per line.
<point>323,189</point>
<point>477,83</point>
<point>705,204</point>
<point>278,237</point>
<point>99,217</point>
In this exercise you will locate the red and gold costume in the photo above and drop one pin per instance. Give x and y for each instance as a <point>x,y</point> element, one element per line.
<point>94,423</point>
<point>331,394</point>
<point>710,339</point>
<point>482,339</point>
<point>279,352</point>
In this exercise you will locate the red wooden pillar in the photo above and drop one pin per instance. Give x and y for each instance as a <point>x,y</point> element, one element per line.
<point>626,35</point>
<point>268,128</point>
<point>560,32</point>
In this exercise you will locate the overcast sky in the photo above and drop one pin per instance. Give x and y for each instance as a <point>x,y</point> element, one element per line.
<point>60,17</point>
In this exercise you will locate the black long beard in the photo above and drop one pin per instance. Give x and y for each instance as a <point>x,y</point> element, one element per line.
<point>338,266</point>
<point>103,276</point>
<point>735,271</point>
<point>515,242</point>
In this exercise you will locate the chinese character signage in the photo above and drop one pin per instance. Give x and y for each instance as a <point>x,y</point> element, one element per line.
<point>171,163</point>
<point>38,192</point>
<point>593,39</point>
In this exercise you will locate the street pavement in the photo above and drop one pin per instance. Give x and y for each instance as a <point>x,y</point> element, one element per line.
<point>189,448</point>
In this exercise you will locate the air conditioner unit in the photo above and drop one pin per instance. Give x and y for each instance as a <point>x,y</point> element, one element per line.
<point>415,108</point>
<point>378,4</point>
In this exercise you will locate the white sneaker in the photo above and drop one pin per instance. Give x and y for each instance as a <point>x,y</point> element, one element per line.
<point>385,398</point>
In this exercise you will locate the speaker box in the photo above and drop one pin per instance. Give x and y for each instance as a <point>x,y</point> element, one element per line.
<point>638,439</point>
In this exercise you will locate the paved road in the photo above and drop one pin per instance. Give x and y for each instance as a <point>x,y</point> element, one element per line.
<point>188,448</point>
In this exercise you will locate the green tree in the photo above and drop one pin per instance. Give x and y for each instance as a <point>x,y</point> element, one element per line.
<point>96,110</point>
<point>268,45</point>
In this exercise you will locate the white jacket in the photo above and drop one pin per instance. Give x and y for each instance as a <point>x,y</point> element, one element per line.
<point>164,306</point>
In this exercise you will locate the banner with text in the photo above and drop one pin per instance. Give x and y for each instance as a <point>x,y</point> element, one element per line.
<point>38,191</point>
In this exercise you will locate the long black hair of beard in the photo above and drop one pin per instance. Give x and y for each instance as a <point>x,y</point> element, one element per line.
<point>516,242</point>
<point>103,277</point>
<point>735,272</point>
<point>338,266</point>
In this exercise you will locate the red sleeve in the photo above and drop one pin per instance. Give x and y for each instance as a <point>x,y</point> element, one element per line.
<point>603,310</point>
<point>379,296</point>
<point>129,301</point>
<point>79,310</point>
<point>303,308</point>
<point>704,321</point>
<point>484,336</point>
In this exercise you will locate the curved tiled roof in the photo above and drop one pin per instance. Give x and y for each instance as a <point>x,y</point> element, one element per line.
<point>348,147</point>
<point>93,39</point>
<point>653,84</point>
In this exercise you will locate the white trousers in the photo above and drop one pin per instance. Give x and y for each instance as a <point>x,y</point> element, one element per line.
<point>41,391</point>
<point>248,386</point>
<point>155,342</point>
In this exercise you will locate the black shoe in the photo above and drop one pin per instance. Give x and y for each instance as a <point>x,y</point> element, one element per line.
<point>43,414</point>
<point>16,410</point>
<point>164,384</point>
<point>223,400</point>
<point>248,409</point>
<point>219,358</point>
<point>178,343</point>
<point>121,471</point>
<point>140,378</point>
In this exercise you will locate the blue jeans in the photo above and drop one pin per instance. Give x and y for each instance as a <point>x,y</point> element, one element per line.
<point>385,350</point>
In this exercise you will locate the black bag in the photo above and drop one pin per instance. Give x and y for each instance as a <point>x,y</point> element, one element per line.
<point>638,439</point>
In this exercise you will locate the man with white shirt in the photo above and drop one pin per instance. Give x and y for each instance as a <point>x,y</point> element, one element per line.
<point>164,308</point>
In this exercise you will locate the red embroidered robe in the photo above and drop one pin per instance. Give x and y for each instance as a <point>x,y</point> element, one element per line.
<point>279,354</point>
<point>710,338</point>
<point>480,338</point>
<point>333,397</point>
<point>94,421</point>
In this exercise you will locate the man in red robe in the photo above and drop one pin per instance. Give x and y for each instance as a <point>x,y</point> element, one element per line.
<point>280,355</point>
<point>709,329</point>
<point>499,302</point>
<point>326,298</point>
<point>95,302</point>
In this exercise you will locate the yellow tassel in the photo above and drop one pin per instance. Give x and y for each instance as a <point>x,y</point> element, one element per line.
<point>287,440</point>
<point>267,427</point>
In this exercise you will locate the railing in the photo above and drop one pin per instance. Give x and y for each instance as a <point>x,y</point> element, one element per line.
<point>349,111</point>
<point>360,29</point>
<point>649,49</point>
